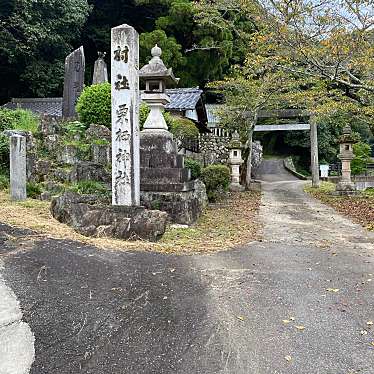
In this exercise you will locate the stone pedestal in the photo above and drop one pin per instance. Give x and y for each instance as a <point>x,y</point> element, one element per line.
<point>165,183</point>
<point>18,167</point>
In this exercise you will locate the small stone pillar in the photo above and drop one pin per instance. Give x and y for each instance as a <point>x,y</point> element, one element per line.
<point>18,167</point>
<point>235,161</point>
<point>100,74</point>
<point>346,141</point>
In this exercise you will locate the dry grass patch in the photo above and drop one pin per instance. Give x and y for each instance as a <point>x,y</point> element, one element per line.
<point>222,226</point>
<point>359,208</point>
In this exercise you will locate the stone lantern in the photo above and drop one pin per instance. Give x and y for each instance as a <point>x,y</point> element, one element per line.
<point>165,183</point>
<point>235,161</point>
<point>346,141</point>
<point>156,77</point>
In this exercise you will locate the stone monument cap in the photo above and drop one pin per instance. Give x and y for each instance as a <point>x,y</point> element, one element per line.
<point>156,69</point>
<point>235,141</point>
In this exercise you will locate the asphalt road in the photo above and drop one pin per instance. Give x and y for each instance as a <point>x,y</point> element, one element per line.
<point>298,302</point>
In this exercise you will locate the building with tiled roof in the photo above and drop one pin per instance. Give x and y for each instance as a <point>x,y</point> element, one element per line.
<point>186,102</point>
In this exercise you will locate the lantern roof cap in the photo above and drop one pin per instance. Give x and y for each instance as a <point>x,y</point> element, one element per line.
<point>156,69</point>
<point>235,142</point>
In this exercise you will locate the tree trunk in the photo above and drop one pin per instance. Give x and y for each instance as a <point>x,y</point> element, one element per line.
<point>248,176</point>
<point>314,152</point>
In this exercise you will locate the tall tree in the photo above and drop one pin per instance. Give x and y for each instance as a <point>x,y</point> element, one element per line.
<point>35,37</point>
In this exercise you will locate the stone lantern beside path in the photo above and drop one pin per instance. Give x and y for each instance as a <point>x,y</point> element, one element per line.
<point>235,161</point>
<point>165,183</point>
<point>346,141</point>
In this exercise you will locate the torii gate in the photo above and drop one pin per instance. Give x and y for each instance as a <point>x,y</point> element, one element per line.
<point>312,126</point>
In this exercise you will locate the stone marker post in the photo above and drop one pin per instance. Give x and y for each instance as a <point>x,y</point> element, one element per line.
<point>74,81</point>
<point>100,74</point>
<point>18,167</point>
<point>125,116</point>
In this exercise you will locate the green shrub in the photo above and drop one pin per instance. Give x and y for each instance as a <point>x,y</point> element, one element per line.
<point>18,119</point>
<point>143,114</point>
<point>362,157</point>
<point>4,182</point>
<point>369,192</point>
<point>89,188</point>
<point>94,105</point>
<point>217,180</point>
<point>194,166</point>
<point>74,128</point>
<point>183,128</point>
<point>33,190</point>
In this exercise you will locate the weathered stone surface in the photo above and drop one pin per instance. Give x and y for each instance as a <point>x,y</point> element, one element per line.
<point>125,116</point>
<point>101,153</point>
<point>68,154</point>
<point>157,150</point>
<point>18,167</point>
<point>100,74</point>
<point>74,81</point>
<point>49,125</point>
<point>89,171</point>
<point>98,132</point>
<point>37,170</point>
<point>183,207</point>
<point>51,144</point>
<point>121,222</point>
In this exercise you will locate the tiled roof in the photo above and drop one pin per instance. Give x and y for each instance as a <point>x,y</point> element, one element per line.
<point>50,105</point>
<point>180,99</point>
<point>183,98</point>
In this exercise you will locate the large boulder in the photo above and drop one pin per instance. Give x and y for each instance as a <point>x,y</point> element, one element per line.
<point>89,218</point>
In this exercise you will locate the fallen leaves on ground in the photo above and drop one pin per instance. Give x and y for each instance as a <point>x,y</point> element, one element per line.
<point>222,226</point>
<point>360,207</point>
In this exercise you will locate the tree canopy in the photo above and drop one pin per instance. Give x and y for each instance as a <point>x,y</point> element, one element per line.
<point>35,37</point>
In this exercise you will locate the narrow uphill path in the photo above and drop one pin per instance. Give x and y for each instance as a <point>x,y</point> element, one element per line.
<point>299,302</point>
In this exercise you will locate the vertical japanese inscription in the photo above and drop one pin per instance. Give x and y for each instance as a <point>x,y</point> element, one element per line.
<point>125,116</point>
<point>73,82</point>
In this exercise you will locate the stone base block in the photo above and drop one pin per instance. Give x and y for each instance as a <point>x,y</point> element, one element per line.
<point>235,187</point>
<point>95,220</point>
<point>183,207</point>
<point>164,175</point>
<point>345,189</point>
<point>255,186</point>
<point>168,187</point>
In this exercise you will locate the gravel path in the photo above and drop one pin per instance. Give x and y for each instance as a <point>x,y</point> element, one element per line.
<point>299,302</point>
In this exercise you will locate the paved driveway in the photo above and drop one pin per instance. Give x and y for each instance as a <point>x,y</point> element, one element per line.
<point>298,302</point>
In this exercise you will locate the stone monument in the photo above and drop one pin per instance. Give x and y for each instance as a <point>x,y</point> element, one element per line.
<point>165,183</point>
<point>125,116</point>
<point>100,74</point>
<point>18,167</point>
<point>235,161</point>
<point>73,82</point>
<point>346,141</point>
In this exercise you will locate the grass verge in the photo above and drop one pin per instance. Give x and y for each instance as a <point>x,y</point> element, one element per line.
<point>360,207</point>
<point>222,226</point>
